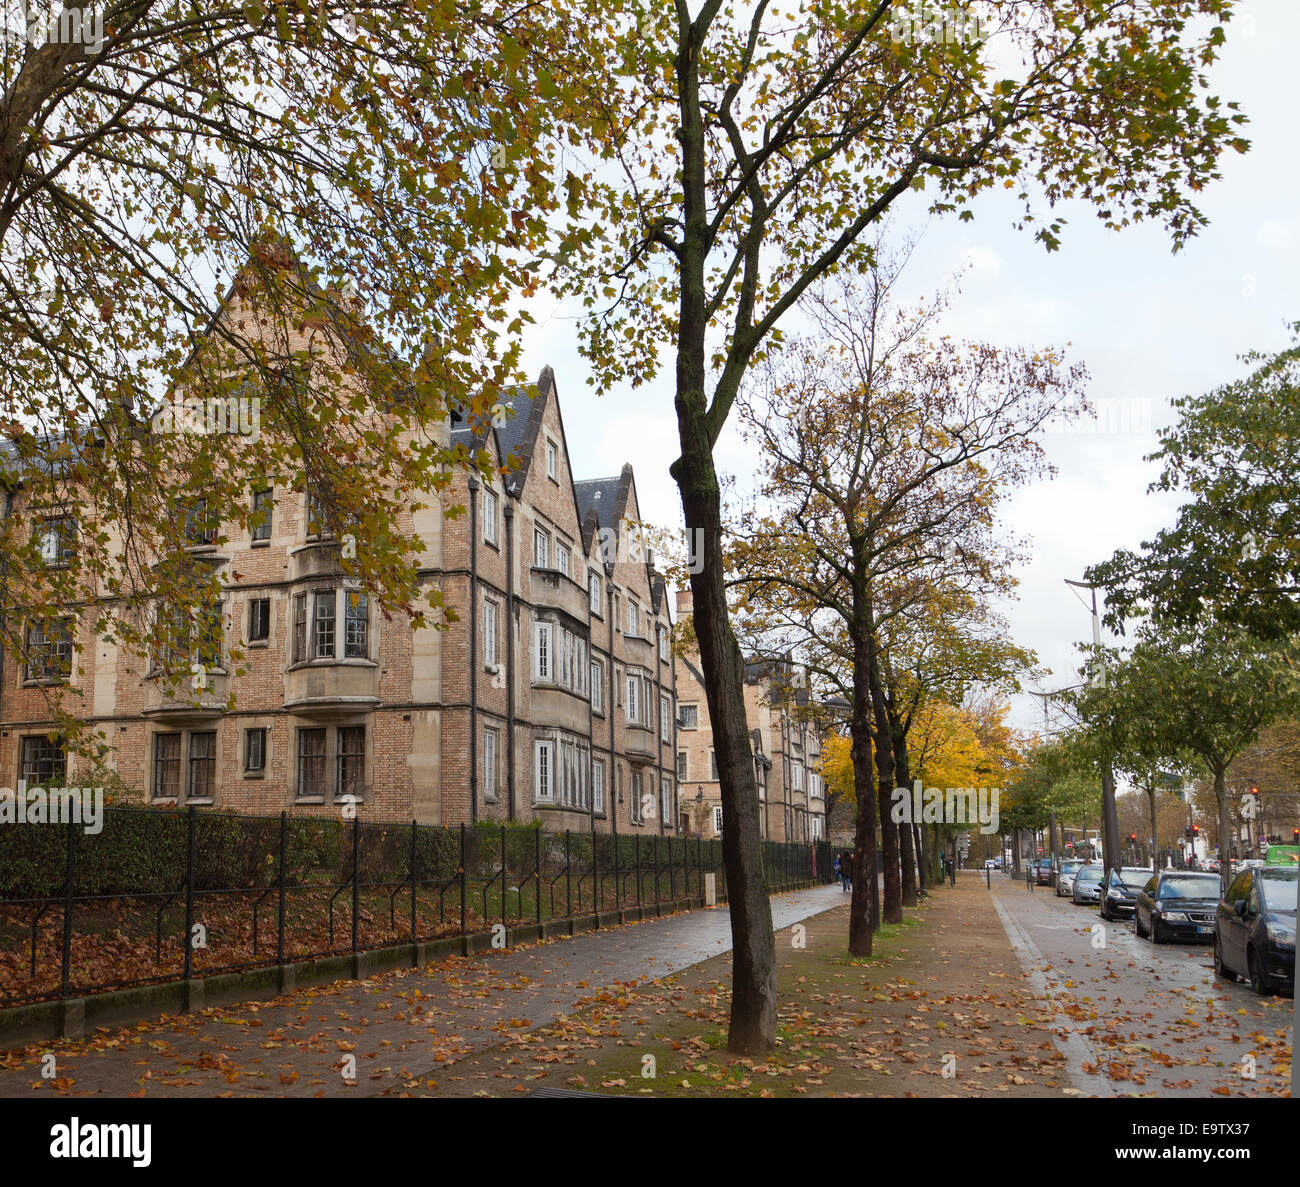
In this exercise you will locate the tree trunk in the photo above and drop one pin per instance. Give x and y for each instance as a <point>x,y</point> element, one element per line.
<point>1225,827</point>
<point>1109,821</point>
<point>922,856</point>
<point>892,907</point>
<point>753,1001</point>
<point>1155,832</point>
<point>905,834</point>
<point>753,980</point>
<point>862,911</point>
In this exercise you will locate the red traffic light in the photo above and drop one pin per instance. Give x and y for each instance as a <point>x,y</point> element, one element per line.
<point>1254,790</point>
<point>1132,836</point>
<point>1196,830</point>
<point>1295,834</point>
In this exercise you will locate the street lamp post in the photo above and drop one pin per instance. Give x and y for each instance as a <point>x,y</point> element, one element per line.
<point>1109,816</point>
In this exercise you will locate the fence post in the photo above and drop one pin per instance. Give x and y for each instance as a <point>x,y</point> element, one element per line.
<point>699,865</point>
<point>654,854</point>
<point>414,839</point>
<point>279,922</point>
<point>618,880</point>
<point>69,872</point>
<point>504,919</point>
<point>636,859</point>
<point>356,876</point>
<point>537,847</point>
<point>189,892</point>
<point>568,874</point>
<point>672,874</point>
<point>462,879</point>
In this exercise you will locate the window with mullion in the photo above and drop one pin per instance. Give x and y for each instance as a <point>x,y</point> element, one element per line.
<point>44,762</point>
<point>356,636</point>
<point>49,650</point>
<point>311,763</point>
<point>262,510</point>
<point>324,603</point>
<point>202,765</point>
<point>299,628</point>
<point>166,766</point>
<point>259,619</point>
<point>351,761</point>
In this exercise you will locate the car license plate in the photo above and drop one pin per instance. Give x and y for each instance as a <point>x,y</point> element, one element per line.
<point>1204,931</point>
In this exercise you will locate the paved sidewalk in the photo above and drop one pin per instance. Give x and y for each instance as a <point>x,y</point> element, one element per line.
<point>940,1009</point>
<point>394,1026</point>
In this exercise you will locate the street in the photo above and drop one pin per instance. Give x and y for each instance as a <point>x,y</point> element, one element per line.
<point>1138,1017</point>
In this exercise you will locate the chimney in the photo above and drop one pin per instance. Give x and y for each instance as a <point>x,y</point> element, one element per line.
<point>685,603</point>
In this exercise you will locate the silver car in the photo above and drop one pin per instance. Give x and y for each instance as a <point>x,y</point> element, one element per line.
<point>1065,877</point>
<point>1087,885</point>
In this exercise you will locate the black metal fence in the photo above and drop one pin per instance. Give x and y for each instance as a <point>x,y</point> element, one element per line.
<point>161,895</point>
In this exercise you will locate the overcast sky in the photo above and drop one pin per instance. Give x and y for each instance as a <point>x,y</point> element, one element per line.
<point>1149,325</point>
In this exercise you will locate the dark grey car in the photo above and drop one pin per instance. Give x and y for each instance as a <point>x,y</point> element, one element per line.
<point>1120,890</point>
<point>1254,929</point>
<point>1177,905</point>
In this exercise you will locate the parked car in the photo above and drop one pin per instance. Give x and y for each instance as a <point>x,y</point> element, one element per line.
<point>1120,889</point>
<point>1177,905</point>
<point>1254,929</point>
<point>990,864</point>
<point>1065,878</point>
<point>1044,872</point>
<point>1087,885</point>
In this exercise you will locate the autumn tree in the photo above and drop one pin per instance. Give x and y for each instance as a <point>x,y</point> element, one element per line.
<point>744,152</point>
<point>886,451</point>
<point>257,245</point>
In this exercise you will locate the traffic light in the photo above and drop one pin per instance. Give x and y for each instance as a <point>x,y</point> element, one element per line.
<point>1295,836</point>
<point>1187,832</point>
<point>1132,836</point>
<point>1196,831</point>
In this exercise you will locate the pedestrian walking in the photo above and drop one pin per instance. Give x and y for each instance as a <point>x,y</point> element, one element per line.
<point>844,863</point>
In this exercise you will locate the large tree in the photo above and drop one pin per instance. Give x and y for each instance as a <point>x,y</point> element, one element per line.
<point>744,152</point>
<point>303,220</point>
<point>1233,553</point>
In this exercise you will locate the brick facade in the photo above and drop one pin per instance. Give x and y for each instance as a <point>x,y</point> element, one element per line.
<point>474,722</point>
<point>786,745</point>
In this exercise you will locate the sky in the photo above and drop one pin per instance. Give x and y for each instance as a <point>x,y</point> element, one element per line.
<point>1149,325</point>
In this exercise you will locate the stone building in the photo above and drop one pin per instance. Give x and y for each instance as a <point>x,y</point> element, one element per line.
<point>785,739</point>
<point>551,696</point>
